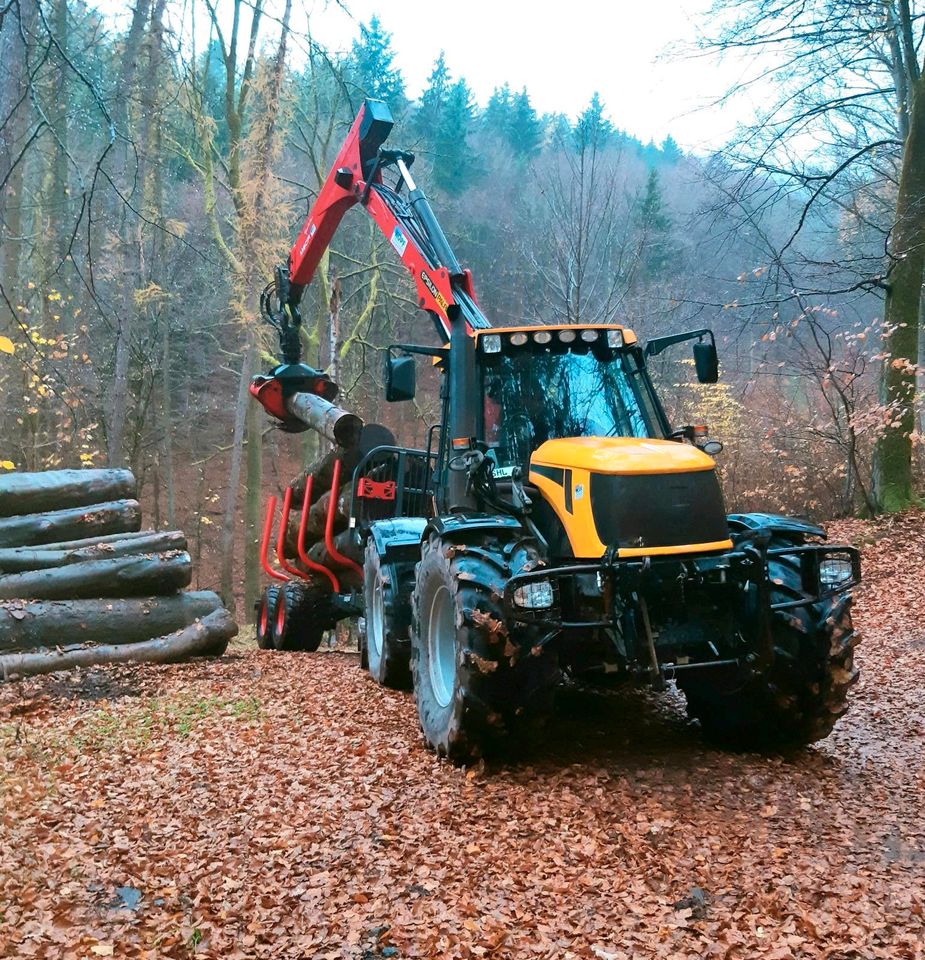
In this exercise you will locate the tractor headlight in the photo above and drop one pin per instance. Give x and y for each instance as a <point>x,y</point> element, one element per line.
<point>615,339</point>
<point>537,595</point>
<point>491,343</point>
<point>835,572</point>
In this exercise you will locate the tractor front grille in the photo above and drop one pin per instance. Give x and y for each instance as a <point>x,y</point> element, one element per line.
<point>658,509</point>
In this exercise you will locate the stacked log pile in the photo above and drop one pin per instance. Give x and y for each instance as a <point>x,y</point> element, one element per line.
<point>81,583</point>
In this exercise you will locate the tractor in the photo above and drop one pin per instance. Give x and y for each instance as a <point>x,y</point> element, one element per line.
<point>554,527</point>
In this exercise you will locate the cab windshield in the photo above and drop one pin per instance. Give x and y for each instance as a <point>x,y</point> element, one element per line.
<point>531,396</point>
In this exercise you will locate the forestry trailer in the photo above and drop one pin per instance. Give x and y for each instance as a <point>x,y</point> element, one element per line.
<point>555,527</point>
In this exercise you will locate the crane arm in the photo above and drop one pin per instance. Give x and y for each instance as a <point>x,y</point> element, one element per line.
<point>406,219</point>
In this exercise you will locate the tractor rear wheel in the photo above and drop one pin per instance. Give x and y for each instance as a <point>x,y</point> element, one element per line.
<point>298,622</point>
<point>799,698</point>
<point>266,610</point>
<point>478,686</point>
<point>388,623</point>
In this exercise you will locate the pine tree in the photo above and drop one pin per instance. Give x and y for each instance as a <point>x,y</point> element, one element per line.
<point>671,152</point>
<point>654,228</point>
<point>371,66</point>
<point>434,99</point>
<point>525,130</point>
<point>497,112</point>
<point>592,129</point>
<point>454,168</point>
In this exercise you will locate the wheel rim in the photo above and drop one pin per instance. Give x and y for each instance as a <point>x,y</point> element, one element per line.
<point>375,624</point>
<point>441,645</point>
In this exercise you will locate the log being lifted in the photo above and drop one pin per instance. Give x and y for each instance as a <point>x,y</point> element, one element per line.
<point>58,489</point>
<point>49,623</point>
<point>18,559</point>
<point>206,637</point>
<point>118,516</point>
<point>333,423</point>
<point>133,576</point>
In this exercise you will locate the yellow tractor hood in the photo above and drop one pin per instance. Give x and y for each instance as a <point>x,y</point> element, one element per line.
<point>621,455</point>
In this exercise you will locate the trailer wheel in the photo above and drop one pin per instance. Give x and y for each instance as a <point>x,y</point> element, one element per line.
<point>266,610</point>
<point>297,623</point>
<point>478,686</point>
<point>801,696</point>
<point>388,623</point>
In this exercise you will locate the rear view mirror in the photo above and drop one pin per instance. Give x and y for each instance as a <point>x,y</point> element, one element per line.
<point>706,361</point>
<point>400,379</point>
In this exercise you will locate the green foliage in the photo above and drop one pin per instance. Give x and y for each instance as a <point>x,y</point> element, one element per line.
<point>511,119</point>
<point>371,66</point>
<point>592,131</point>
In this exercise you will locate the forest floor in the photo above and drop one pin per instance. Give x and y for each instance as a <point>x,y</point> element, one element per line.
<point>282,805</point>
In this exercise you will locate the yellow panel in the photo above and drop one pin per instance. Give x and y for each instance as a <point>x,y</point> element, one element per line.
<point>628,336</point>
<point>579,524</point>
<point>622,455</point>
<point>669,551</point>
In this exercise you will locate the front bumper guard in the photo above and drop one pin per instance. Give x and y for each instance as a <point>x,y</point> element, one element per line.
<point>746,563</point>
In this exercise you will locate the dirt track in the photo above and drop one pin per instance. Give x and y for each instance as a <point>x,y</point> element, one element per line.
<point>281,805</point>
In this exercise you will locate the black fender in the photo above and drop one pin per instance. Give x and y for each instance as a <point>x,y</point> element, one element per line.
<point>399,539</point>
<point>458,526</point>
<point>743,525</point>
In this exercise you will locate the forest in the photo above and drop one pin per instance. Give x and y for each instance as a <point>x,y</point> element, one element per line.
<point>562,674</point>
<point>155,168</point>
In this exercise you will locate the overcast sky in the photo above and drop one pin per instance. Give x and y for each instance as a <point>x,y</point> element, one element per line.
<point>562,53</point>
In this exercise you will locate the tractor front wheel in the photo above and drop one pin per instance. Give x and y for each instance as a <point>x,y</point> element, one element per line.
<point>478,686</point>
<point>799,698</point>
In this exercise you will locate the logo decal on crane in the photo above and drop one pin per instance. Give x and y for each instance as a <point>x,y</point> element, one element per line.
<point>399,241</point>
<point>434,292</point>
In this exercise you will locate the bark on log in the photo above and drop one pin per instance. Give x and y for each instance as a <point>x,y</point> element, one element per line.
<point>48,623</point>
<point>208,636</point>
<point>371,436</point>
<point>22,493</point>
<point>134,576</point>
<point>119,516</point>
<point>19,559</point>
<point>93,541</point>
<point>333,423</point>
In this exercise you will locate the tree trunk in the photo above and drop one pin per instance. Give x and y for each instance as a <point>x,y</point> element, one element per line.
<point>50,623</point>
<point>893,452</point>
<point>252,517</point>
<point>14,104</point>
<point>104,518</point>
<point>207,637</point>
<point>229,522</point>
<point>146,575</point>
<point>57,489</point>
<point>19,559</point>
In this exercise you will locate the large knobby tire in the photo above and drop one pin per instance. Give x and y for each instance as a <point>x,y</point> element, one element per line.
<point>265,610</point>
<point>298,621</point>
<point>801,696</point>
<point>388,624</point>
<point>480,687</point>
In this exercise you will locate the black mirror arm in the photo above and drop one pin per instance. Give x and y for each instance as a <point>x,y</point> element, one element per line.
<point>442,352</point>
<point>659,344</point>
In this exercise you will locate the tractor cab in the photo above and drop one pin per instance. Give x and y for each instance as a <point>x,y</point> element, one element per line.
<point>547,383</point>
